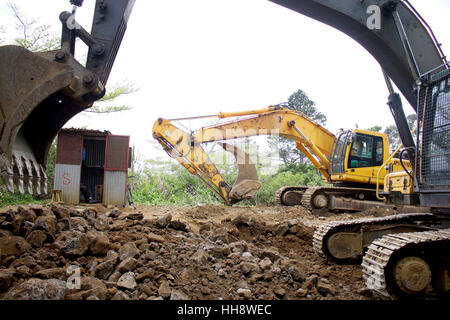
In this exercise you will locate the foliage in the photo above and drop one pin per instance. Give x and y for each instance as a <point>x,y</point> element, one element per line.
<point>375,128</point>
<point>174,185</point>
<point>298,101</point>
<point>34,36</point>
<point>392,132</point>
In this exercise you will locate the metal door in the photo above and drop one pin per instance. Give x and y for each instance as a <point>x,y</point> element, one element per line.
<point>116,169</point>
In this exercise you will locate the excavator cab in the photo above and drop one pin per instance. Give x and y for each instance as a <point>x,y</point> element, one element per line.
<point>355,155</point>
<point>41,91</point>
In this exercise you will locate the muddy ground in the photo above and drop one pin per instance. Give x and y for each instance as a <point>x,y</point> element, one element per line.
<point>161,252</point>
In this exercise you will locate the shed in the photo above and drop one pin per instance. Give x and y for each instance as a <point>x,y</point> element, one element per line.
<point>92,166</point>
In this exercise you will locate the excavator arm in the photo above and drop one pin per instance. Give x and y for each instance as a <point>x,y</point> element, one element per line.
<point>311,138</point>
<point>392,31</point>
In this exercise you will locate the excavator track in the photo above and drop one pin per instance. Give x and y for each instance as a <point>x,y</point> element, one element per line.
<point>319,198</point>
<point>325,231</point>
<point>383,262</point>
<point>280,194</point>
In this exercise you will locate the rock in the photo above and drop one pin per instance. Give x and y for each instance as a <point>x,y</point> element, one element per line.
<point>164,221</point>
<point>24,272</point>
<point>310,282</point>
<point>120,295</point>
<point>89,286</point>
<point>27,213</point>
<point>79,224</point>
<point>37,289</point>
<point>52,273</point>
<point>60,212</point>
<point>155,238</point>
<point>13,246</point>
<point>147,274</point>
<point>178,225</point>
<point>240,219</point>
<point>200,257</point>
<point>300,293</point>
<point>28,261</point>
<point>115,213</point>
<point>271,254</point>
<point>115,276</point>
<point>296,274</point>
<point>127,265</point>
<point>128,250</point>
<point>135,216</point>
<point>292,222</point>
<point>5,233</point>
<point>279,291</point>
<point>325,289</point>
<point>282,229</point>
<point>78,212</point>
<point>127,281</point>
<point>265,264</point>
<point>245,293</point>
<point>90,214</point>
<point>164,289</point>
<point>36,238</point>
<point>73,243</point>
<point>104,269</point>
<point>102,223</point>
<point>178,295</point>
<point>100,244</point>
<point>205,227</point>
<point>246,268</point>
<point>46,224</point>
<point>6,279</point>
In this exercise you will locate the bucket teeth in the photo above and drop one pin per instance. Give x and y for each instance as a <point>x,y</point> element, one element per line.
<point>18,174</point>
<point>25,173</point>
<point>7,177</point>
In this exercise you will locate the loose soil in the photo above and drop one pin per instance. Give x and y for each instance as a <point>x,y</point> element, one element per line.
<point>163,252</point>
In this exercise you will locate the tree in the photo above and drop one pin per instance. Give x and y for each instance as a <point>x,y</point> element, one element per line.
<point>34,36</point>
<point>298,101</point>
<point>392,132</point>
<point>374,129</point>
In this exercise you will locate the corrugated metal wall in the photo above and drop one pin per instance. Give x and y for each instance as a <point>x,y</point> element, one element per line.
<point>67,179</point>
<point>115,187</point>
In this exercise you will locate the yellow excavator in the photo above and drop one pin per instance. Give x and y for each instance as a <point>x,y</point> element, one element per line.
<point>354,161</point>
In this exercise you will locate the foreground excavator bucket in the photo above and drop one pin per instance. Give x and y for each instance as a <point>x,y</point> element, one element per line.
<point>247,183</point>
<point>40,92</point>
<point>35,102</point>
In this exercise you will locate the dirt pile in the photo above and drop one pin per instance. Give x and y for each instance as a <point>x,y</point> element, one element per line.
<point>203,252</point>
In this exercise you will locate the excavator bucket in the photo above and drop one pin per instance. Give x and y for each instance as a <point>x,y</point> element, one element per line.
<point>34,105</point>
<point>247,183</point>
<point>40,92</point>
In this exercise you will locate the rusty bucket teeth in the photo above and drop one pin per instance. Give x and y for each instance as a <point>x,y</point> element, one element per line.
<point>247,183</point>
<point>25,173</point>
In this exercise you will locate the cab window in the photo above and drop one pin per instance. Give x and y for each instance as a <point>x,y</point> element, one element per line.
<point>366,151</point>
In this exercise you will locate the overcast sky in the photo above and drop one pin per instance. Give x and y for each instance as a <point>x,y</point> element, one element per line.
<point>201,57</point>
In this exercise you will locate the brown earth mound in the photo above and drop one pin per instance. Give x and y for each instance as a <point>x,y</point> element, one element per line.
<point>201,252</point>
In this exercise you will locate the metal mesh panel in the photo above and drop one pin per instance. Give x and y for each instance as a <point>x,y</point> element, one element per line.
<point>434,138</point>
